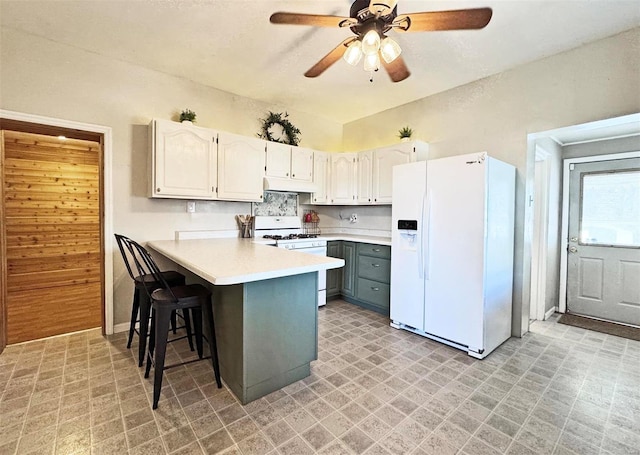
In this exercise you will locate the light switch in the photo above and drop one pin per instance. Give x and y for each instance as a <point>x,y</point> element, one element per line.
<point>191,206</point>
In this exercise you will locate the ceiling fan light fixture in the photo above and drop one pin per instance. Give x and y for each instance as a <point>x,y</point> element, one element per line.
<point>353,54</point>
<point>389,49</point>
<point>371,62</point>
<point>371,42</point>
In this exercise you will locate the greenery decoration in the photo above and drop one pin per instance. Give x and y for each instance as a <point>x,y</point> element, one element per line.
<point>187,115</point>
<point>290,131</point>
<point>405,132</point>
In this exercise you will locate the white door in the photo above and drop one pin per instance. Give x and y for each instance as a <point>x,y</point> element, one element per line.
<point>407,250</point>
<point>603,270</point>
<point>302,164</point>
<point>184,161</point>
<point>278,160</point>
<point>240,168</point>
<point>383,161</point>
<point>365,175</point>
<point>343,178</point>
<point>321,176</point>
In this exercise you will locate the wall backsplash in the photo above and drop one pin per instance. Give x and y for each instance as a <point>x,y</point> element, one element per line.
<point>277,204</point>
<point>371,220</point>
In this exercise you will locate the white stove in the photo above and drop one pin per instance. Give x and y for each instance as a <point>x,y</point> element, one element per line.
<point>287,233</point>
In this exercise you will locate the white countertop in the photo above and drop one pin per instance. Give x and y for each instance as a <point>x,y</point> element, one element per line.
<point>235,261</point>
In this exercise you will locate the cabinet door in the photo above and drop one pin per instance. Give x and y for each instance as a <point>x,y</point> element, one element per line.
<point>343,176</point>
<point>334,276</point>
<point>383,161</point>
<point>302,164</point>
<point>240,168</point>
<point>349,270</point>
<point>365,176</point>
<point>320,177</point>
<point>183,161</point>
<point>278,160</point>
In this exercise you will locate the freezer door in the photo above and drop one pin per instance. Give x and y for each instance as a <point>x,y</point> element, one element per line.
<point>407,258</point>
<point>454,245</point>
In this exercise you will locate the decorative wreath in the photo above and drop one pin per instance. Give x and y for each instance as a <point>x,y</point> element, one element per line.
<point>289,131</point>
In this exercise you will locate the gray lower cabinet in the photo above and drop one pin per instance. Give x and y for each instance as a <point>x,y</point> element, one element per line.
<point>334,276</point>
<point>365,278</point>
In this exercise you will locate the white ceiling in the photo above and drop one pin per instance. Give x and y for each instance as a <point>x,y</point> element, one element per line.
<point>230,44</point>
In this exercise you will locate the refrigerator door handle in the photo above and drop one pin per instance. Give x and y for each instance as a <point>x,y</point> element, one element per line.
<point>421,240</point>
<point>427,249</point>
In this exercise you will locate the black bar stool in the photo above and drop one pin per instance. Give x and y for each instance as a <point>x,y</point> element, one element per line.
<point>141,303</point>
<point>193,298</point>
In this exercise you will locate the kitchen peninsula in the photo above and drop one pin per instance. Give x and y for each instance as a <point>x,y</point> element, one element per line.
<point>265,308</point>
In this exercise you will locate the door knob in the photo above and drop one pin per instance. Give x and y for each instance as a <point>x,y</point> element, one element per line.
<point>573,249</point>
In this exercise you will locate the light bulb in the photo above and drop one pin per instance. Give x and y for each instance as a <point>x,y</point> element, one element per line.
<point>389,49</point>
<point>371,42</point>
<point>371,62</point>
<point>353,54</point>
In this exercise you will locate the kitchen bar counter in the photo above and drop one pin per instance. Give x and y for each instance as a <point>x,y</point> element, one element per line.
<point>265,305</point>
<point>234,261</point>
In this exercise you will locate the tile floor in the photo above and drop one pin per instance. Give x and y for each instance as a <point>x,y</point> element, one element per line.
<point>374,390</point>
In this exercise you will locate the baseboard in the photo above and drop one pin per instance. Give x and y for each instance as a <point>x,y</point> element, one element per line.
<point>549,313</point>
<point>121,327</point>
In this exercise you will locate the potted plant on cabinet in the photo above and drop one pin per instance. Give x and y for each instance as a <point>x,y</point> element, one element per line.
<point>187,116</point>
<point>405,134</point>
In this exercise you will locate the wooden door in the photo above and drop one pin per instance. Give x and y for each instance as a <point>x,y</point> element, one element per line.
<point>52,257</point>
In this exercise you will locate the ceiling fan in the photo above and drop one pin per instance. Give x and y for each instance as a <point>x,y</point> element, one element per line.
<point>370,21</point>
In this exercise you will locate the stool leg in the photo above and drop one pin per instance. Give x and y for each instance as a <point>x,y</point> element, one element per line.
<point>213,346</point>
<point>174,323</point>
<point>197,326</point>
<point>163,320</point>
<point>145,308</point>
<point>187,326</point>
<point>152,343</point>
<point>134,315</point>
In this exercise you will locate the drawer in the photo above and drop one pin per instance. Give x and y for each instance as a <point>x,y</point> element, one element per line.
<point>372,268</point>
<point>379,251</point>
<point>373,292</point>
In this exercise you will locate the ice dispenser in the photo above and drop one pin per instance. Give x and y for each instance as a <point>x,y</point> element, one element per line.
<point>408,230</point>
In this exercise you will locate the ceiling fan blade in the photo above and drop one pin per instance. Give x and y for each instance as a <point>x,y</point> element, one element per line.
<point>329,59</point>
<point>382,7</point>
<point>317,20</point>
<point>463,19</point>
<point>397,69</point>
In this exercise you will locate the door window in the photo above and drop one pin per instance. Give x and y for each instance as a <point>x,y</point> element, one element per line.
<point>610,209</point>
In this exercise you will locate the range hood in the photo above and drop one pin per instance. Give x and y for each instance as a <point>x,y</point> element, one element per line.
<point>294,186</point>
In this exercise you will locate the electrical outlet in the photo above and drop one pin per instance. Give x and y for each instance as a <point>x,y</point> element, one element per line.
<point>191,206</point>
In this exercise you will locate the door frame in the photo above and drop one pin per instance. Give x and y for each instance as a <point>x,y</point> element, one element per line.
<point>541,225</point>
<point>564,236</point>
<point>107,201</point>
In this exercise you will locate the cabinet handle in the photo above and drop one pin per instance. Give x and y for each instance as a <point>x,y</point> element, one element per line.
<point>287,174</point>
<point>375,289</point>
<point>261,196</point>
<point>375,265</point>
<point>158,190</point>
<point>376,250</point>
<point>293,175</point>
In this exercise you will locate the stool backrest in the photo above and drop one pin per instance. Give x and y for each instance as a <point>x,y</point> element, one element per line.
<point>137,257</point>
<point>127,254</point>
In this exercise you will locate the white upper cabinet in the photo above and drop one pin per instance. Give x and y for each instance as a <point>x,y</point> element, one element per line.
<point>182,161</point>
<point>321,167</point>
<point>241,163</point>
<point>302,164</point>
<point>385,158</point>
<point>343,178</point>
<point>278,160</point>
<point>365,177</point>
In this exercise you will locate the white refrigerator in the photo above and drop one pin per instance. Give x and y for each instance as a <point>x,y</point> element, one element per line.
<point>452,250</point>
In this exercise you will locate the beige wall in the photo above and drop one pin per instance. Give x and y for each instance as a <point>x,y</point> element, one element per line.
<point>596,81</point>
<point>44,78</point>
